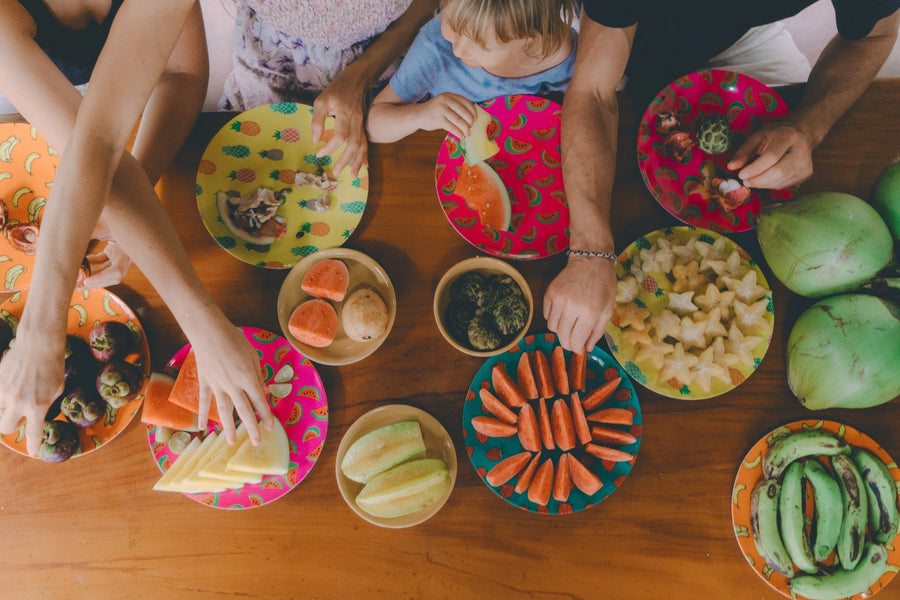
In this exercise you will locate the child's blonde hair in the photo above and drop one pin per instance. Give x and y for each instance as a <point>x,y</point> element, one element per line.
<point>547,22</point>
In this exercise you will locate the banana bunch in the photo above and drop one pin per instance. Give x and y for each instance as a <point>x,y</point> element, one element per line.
<point>856,515</point>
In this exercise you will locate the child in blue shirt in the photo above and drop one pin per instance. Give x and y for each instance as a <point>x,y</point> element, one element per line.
<point>473,51</point>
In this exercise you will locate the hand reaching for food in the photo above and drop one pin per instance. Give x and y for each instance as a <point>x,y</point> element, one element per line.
<point>579,302</point>
<point>344,100</point>
<point>105,268</point>
<point>31,378</point>
<point>777,156</point>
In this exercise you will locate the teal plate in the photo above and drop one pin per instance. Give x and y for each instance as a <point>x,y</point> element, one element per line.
<point>486,452</point>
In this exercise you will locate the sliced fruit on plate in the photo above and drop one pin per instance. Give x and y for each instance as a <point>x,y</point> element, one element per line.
<point>582,477</point>
<point>194,482</point>
<point>601,394</point>
<point>493,405</point>
<point>544,425</point>
<point>186,391</point>
<point>582,429</point>
<point>158,410</point>
<point>563,427</point>
<point>507,468</point>
<point>607,453</point>
<point>506,388</point>
<point>177,468</point>
<point>562,481</point>
<point>544,379</point>
<point>383,448</point>
<point>314,322</point>
<point>492,427</point>
<point>217,466</point>
<point>560,376</point>
<point>578,372</point>
<point>525,375</point>
<point>405,488</point>
<point>477,146</point>
<point>271,457</point>
<point>612,416</point>
<point>542,484</point>
<point>484,192</point>
<point>327,279</point>
<point>528,474</point>
<point>529,432</point>
<point>189,460</point>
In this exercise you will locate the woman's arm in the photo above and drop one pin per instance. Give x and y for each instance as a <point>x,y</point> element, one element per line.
<point>345,96</point>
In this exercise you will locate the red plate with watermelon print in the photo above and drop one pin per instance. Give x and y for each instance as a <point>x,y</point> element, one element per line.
<point>303,411</point>
<point>682,188</point>
<point>527,130</point>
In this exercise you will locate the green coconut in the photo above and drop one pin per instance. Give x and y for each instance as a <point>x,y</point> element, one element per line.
<point>844,352</point>
<point>825,243</point>
<point>886,197</point>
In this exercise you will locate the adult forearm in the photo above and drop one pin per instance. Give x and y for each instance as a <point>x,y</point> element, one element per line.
<point>589,137</point>
<point>840,76</point>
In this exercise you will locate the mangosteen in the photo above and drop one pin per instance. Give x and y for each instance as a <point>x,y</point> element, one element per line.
<point>60,441</point>
<point>110,340</point>
<point>83,407</point>
<point>120,382</point>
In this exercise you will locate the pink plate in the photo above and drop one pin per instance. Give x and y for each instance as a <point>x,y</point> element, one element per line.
<point>680,188</point>
<point>303,412</point>
<point>527,131</point>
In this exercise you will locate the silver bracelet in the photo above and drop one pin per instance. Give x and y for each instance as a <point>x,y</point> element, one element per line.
<point>608,255</point>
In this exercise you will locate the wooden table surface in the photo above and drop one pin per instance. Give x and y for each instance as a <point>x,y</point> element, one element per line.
<point>92,527</point>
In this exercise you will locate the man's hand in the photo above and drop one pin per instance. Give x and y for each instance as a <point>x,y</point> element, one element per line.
<point>580,301</point>
<point>777,156</point>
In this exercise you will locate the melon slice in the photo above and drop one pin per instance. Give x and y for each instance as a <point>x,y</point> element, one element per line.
<point>190,460</point>
<point>176,469</point>
<point>381,449</point>
<point>157,409</point>
<point>405,488</point>
<point>217,466</point>
<point>186,391</point>
<point>193,482</point>
<point>327,279</point>
<point>484,192</point>
<point>271,457</point>
<point>314,323</point>
<point>477,146</point>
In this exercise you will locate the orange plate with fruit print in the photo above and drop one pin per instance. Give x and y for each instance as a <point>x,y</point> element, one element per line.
<point>267,146</point>
<point>527,130</point>
<point>749,474</point>
<point>27,169</point>
<point>85,309</point>
<point>486,452</point>
<point>303,410</point>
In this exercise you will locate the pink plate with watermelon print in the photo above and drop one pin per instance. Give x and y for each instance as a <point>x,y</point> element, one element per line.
<point>527,130</point>
<point>682,188</point>
<point>303,411</point>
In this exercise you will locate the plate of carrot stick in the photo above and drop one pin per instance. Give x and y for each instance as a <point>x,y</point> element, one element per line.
<point>551,431</point>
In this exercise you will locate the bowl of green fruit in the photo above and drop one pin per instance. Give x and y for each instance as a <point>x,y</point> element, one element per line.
<point>483,306</point>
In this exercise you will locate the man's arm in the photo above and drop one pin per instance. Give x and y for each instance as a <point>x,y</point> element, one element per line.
<point>579,301</point>
<point>780,155</point>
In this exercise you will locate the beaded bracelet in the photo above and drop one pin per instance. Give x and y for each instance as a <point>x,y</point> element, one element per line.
<point>608,255</point>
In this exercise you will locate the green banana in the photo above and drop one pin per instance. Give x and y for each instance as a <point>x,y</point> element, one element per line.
<point>9,281</point>
<point>797,445</point>
<point>6,148</point>
<point>829,509</point>
<point>764,526</point>
<point>884,512</point>
<point>843,583</point>
<point>853,525</point>
<point>793,520</point>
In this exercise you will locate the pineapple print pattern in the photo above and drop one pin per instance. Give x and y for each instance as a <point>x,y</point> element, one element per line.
<point>272,154</point>
<point>243,175</point>
<point>250,128</point>
<point>289,135</point>
<point>237,151</point>
<point>284,108</point>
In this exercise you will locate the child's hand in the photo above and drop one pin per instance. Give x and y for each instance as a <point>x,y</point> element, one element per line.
<point>448,111</point>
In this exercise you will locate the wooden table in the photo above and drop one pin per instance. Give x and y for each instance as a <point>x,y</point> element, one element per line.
<point>93,527</point>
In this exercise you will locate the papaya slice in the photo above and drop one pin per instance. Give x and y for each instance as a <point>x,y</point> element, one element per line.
<point>544,379</point>
<point>528,429</point>
<point>327,279</point>
<point>507,468</point>
<point>601,394</point>
<point>582,429</point>
<point>542,483</point>
<point>506,388</point>
<point>492,427</point>
<point>159,411</point>
<point>611,435</point>
<point>525,375</point>
<point>607,453</point>
<point>612,416</point>
<point>493,405</point>
<point>563,427</point>
<point>562,481</point>
<point>582,477</point>
<point>528,474</point>
<point>558,366</point>
<point>578,371</point>
<point>314,323</point>
<point>186,390</point>
<point>544,425</point>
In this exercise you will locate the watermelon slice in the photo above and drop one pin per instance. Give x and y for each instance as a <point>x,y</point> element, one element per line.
<point>485,193</point>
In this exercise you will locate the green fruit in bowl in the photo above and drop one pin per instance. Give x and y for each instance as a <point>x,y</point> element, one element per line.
<point>381,449</point>
<point>405,489</point>
<point>714,134</point>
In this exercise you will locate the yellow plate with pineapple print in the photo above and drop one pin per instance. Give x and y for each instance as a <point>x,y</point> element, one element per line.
<point>270,146</point>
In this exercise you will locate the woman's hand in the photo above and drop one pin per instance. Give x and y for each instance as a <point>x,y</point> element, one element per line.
<point>228,370</point>
<point>31,378</point>
<point>448,111</point>
<point>343,99</point>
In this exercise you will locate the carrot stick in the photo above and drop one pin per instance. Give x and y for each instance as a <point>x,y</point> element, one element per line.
<point>558,365</point>
<point>601,394</point>
<point>582,429</point>
<point>528,474</point>
<point>506,388</point>
<point>545,427</point>
<point>611,435</point>
<point>492,427</point>
<point>578,371</point>
<point>528,429</point>
<point>607,453</point>
<point>544,379</point>
<point>507,468</point>
<point>612,416</point>
<point>493,405</point>
<point>526,377</point>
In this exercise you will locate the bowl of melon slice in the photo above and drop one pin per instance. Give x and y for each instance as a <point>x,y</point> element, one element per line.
<point>337,306</point>
<point>396,466</point>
